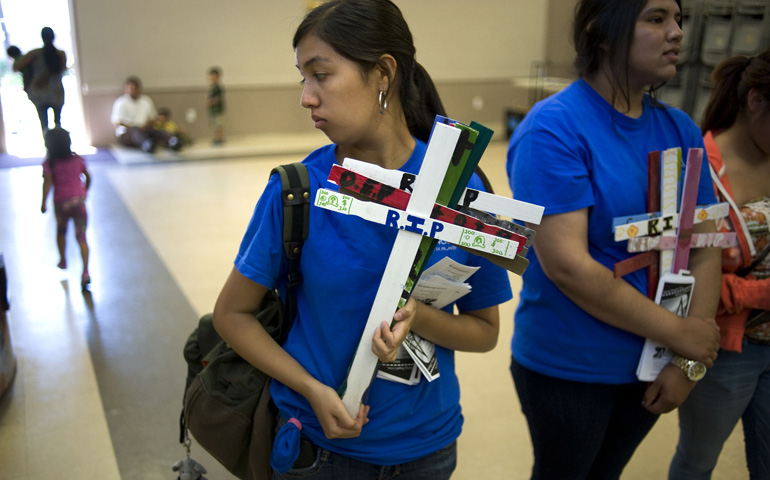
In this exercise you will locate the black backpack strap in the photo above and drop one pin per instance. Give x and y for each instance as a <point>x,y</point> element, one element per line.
<point>295,196</point>
<point>484,180</point>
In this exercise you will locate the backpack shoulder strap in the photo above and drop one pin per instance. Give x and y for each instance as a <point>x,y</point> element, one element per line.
<point>484,179</point>
<point>295,196</point>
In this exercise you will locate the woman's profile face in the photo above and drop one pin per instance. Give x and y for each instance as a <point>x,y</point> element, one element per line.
<point>343,102</point>
<point>655,46</point>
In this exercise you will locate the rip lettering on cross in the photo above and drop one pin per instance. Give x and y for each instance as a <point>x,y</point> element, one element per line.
<point>645,232</point>
<point>419,206</point>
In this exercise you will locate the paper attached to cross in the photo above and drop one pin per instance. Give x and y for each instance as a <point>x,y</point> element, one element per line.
<point>452,154</point>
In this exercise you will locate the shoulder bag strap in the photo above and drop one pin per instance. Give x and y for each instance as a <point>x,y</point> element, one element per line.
<point>739,224</point>
<point>295,196</point>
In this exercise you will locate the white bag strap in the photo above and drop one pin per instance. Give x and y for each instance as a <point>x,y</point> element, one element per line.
<point>741,221</point>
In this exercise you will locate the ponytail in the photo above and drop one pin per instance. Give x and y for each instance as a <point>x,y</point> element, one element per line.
<point>733,79</point>
<point>724,104</point>
<point>421,103</point>
<point>51,56</point>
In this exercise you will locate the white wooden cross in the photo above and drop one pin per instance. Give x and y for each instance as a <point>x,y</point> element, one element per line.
<point>418,233</point>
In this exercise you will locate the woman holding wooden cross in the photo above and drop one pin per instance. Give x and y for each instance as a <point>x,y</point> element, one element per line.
<point>736,126</point>
<point>367,93</point>
<point>578,331</point>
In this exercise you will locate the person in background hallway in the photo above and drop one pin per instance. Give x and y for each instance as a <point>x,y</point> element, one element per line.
<point>26,72</point>
<point>45,89</point>
<point>66,173</point>
<point>165,123</point>
<point>736,128</point>
<point>216,104</point>
<point>133,115</point>
<point>365,90</point>
<point>578,331</point>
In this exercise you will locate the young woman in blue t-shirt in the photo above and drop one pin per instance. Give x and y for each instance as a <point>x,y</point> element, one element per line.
<point>578,331</point>
<point>367,93</point>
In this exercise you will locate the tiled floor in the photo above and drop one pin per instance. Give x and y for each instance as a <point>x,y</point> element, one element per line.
<point>100,379</point>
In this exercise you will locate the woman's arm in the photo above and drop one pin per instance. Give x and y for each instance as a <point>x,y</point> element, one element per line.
<point>47,185</point>
<point>87,176</point>
<point>671,388</point>
<point>235,322</point>
<point>472,331</point>
<point>25,60</point>
<point>705,265</point>
<point>561,246</point>
<point>742,293</point>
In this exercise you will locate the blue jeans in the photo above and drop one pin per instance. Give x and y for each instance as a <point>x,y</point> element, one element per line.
<point>737,387</point>
<point>328,465</point>
<point>42,113</point>
<point>581,430</point>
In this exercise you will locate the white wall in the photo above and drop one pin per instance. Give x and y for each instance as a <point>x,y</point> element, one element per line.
<point>471,49</point>
<point>170,44</point>
<point>475,40</point>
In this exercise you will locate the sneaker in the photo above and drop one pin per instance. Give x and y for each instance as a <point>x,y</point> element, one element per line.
<point>148,145</point>
<point>85,280</point>
<point>174,144</point>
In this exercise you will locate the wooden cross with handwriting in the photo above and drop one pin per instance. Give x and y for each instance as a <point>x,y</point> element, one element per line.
<point>667,238</point>
<point>423,217</point>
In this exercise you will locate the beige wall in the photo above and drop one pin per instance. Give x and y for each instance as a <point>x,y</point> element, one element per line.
<point>253,110</point>
<point>472,50</point>
<point>559,48</point>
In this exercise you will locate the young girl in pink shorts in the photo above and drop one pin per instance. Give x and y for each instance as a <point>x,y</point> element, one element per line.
<point>66,173</point>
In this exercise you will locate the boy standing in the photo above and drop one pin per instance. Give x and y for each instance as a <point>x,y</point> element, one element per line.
<point>216,104</point>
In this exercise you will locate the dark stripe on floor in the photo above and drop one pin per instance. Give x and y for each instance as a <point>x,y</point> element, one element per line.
<point>136,332</point>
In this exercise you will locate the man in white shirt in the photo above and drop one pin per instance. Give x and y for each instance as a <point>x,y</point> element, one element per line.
<point>133,114</point>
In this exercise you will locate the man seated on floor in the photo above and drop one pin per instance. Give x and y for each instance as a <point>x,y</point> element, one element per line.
<point>133,115</point>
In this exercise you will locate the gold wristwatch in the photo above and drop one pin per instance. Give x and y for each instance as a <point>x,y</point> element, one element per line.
<point>694,370</point>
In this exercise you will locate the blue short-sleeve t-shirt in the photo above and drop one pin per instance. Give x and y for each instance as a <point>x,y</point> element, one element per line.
<point>342,262</point>
<point>574,151</point>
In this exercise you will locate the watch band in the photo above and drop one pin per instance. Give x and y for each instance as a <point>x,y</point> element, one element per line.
<point>693,369</point>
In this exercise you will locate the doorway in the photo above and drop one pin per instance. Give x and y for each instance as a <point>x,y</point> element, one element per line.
<point>22,21</point>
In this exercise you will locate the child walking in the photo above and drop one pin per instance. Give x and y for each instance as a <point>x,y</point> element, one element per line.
<point>216,104</point>
<point>164,123</point>
<point>26,72</point>
<point>66,173</point>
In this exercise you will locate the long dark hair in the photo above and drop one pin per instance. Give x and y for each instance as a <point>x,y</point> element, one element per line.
<point>604,30</point>
<point>50,53</point>
<point>734,77</point>
<point>364,30</point>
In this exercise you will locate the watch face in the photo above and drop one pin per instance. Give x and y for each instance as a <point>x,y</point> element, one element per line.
<point>696,371</point>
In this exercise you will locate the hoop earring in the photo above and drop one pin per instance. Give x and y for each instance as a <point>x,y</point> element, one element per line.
<point>383,102</point>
